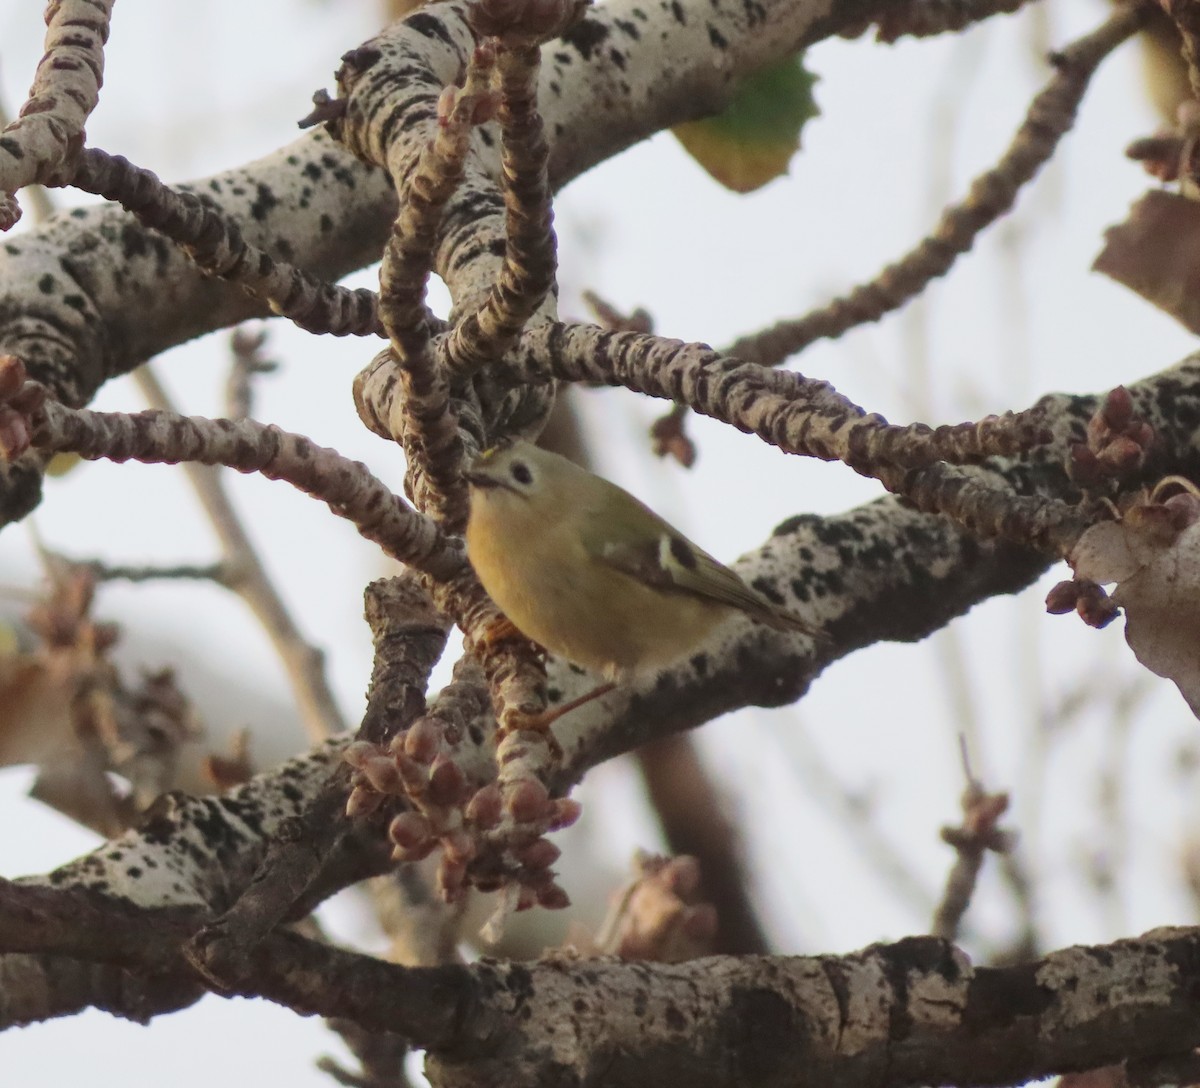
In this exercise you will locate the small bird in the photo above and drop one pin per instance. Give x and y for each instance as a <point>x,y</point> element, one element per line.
<point>581,567</point>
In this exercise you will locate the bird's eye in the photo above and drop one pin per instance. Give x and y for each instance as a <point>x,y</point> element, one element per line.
<point>521,473</point>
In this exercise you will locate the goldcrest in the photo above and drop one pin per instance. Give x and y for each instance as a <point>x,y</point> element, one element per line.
<point>581,567</point>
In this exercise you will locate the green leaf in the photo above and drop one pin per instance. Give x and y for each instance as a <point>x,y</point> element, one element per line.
<point>752,141</point>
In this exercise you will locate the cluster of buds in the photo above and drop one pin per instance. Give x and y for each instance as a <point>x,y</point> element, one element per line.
<point>491,836</point>
<point>20,400</point>
<point>1117,445</point>
<point>980,828</point>
<point>1095,607</point>
<point>1146,527</point>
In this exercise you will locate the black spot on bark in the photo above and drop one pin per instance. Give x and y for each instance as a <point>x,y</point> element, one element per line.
<point>763,1032</point>
<point>587,36</point>
<point>429,27</point>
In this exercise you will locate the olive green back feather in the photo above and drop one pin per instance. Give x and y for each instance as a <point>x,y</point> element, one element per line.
<point>671,562</point>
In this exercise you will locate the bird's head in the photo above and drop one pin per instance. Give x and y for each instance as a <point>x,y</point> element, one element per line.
<point>518,469</point>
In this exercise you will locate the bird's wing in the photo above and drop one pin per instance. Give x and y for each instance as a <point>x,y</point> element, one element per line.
<point>672,563</point>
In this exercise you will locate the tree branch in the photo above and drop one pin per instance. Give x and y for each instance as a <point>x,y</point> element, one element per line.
<point>1050,117</point>
<point>914,1012</point>
<point>66,88</point>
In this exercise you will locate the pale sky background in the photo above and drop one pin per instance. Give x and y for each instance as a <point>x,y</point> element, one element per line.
<point>903,128</point>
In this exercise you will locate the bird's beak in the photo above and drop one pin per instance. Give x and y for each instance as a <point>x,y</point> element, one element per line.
<point>477,477</point>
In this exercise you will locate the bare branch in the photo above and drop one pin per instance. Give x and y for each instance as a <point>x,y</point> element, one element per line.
<point>530,258</point>
<point>249,361</point>
<point>347,487</point>
<point>1050,117</point>
<point>244,573</point>
<point>729,1021</point>
<point>216,244</point>
<point>66,87</point>
<point>795,413</point>
<point>112,572</point>
<point>422,418</point>
<point>977,834</point>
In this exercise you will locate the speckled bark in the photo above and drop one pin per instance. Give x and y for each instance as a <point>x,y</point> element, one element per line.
<point>82,298</point>
<point>217,246</point>
<point>93,293</point>
<point>916,1012</point>
<point>910,1013</point>
<point>66,88</point>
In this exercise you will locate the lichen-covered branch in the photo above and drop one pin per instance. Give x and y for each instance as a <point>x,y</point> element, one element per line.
<point>991,510</point>
<point>914,1012</point>
<point>333,212</point>
<point>82,314</point>
<point>81,297</point>
<point>409,638</point>
<point>943,571</point>
<point>196,853</point>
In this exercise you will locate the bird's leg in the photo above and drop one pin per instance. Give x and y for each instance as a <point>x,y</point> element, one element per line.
<point>575,704</point>
<point>541,722</point>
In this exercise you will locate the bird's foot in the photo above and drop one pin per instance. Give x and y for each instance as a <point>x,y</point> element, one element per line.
<point>501,629</point>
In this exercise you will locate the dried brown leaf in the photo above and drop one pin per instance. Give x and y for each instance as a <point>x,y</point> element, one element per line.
<point>1156,252</point>
<point>1153,554</point>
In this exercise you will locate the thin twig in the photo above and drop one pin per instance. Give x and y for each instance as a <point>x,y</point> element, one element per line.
<point>184,572</point>
<point>248,578</point>
<point>971,841</point>
<point>246,346</point>
<point>1051,116</point>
